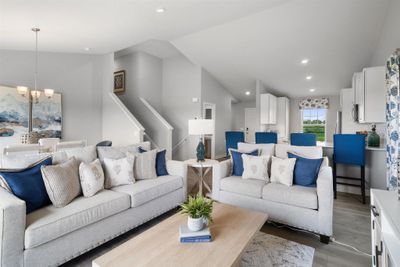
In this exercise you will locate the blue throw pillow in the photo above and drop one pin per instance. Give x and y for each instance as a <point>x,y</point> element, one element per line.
<point>306,170</point>
<point>237,169</point>
<point>28,185</point>
<point>161,165</point>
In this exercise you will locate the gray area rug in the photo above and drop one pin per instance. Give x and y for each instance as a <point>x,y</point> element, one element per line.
<point>268,250</point>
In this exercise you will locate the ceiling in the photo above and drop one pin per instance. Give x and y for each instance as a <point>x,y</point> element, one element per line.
<point>237,41</point>
<point>337,36</point>
<point>111,25</point>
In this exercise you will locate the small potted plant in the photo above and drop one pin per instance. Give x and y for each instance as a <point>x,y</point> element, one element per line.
<point>199,211</point>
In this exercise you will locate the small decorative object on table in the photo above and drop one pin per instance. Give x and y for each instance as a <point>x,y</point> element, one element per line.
<point>201,127</point>
<point>373,137</point>
<point>199,211</point>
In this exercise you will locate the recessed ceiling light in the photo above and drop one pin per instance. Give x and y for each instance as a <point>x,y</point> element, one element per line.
<point>312,90</point>
<point>160,10</point>
<point>247,92</point>
<point>309,77</point>
<point>87,49</point>
<point>304,61</point>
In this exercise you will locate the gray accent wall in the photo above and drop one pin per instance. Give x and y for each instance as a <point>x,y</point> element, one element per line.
<point>78,77</point>
<point>214,92</point>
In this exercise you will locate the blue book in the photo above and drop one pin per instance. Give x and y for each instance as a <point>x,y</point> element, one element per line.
<point>196,240</point>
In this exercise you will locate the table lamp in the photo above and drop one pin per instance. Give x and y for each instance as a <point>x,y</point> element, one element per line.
<point>201,127</point>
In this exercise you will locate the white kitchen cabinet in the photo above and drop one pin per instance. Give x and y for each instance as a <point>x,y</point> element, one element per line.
<point>385,235</point>
<point>375,94</point>
<point>369,88</point>
<point>268,109</point>
<point>358,97</point>
<point>282,121</point>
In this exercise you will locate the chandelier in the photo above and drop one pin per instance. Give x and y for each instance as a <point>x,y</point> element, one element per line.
<point>35,93</point>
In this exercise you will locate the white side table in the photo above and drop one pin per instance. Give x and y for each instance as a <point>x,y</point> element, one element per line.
<point>201,169</point>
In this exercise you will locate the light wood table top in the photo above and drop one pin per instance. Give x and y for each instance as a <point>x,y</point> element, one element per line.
<point>232,231</point>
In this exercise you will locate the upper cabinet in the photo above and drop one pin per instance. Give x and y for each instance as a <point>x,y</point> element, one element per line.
<point>282,123</point>
<point>268,109</point>
<point>369,99</point>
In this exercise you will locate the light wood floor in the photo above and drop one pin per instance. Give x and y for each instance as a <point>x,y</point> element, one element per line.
<point>351,225</point>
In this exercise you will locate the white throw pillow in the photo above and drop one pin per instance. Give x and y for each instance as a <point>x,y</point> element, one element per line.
<point>82,154</point>
<point>310,152</point>
<point>255,167</point>
<point>92,177</point>
<point>264,149</point>
<point>282,171</point>
<point>118,171</point>
<point>145,164</point>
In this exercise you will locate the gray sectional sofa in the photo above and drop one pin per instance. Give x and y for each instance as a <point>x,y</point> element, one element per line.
<point>51,236</point>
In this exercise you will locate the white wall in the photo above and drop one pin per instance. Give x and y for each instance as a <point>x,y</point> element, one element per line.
<point>143,76</point>
<point>214,92</point>
<point>295,119</point>
<point>181,82</point>
<point>238,114</point>
<point>390,37</point>
<point>78,77</point>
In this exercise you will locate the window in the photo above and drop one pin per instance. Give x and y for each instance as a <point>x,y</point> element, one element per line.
<point>314,121</point>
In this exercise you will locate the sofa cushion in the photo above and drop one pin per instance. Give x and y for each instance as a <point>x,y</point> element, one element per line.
<point>265,149</point>
<point>49,223</point>
<point>248,187</point>
<point>311,152</point>
<point>146,190</point>
<point>299,196</point>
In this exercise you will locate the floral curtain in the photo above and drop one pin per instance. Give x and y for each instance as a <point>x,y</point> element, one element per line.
<point>314,103</point>
<point>392,120</point>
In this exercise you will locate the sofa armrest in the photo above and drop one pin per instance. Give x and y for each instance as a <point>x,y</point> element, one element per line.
<point>12,229</point>
<point>220,171</point>
<point>325,200</point>
<point>178,168</point>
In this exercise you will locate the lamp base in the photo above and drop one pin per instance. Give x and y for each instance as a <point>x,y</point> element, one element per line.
<point>200,151</point>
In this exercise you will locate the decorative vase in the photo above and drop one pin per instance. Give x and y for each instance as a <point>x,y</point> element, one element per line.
<point>373,137</point>
<point>195,224</point>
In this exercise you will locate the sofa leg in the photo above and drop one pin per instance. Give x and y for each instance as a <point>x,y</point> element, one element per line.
<point>324,239</point>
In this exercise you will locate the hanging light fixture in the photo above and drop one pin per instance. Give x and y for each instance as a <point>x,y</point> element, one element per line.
<point>35,93</point>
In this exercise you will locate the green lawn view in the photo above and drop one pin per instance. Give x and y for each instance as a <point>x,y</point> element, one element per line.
<point>319,130</point>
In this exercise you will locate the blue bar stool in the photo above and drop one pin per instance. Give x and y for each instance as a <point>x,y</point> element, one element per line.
<point>232,138</point>
<point>349,149</point>
<point>266,138</point>
<point>303,139</point>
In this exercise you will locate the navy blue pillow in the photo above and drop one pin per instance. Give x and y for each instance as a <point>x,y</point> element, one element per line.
<point>161,165</point>
<point>237,169</point>
<point>306,170</point>
<point>28,185</point>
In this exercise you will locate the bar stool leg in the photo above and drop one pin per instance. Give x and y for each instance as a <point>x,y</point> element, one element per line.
<point>334,180</point>
<point>363,183</point>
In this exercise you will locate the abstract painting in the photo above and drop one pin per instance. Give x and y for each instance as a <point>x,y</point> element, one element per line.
<point>47,116</point>
<point>119,81</point>
<point>14,116</point>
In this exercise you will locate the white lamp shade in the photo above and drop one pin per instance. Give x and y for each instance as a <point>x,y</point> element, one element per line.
<point>201,127</point>
<point>22,90</point>
<point>48,92</point>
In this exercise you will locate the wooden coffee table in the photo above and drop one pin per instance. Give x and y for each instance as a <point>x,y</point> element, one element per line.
<point>232,231</point>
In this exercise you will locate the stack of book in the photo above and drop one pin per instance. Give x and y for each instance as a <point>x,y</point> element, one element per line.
<point>187,236</point>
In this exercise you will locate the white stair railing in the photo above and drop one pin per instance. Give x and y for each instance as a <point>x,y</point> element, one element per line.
<point>164,126</point>
<point>119,124</point>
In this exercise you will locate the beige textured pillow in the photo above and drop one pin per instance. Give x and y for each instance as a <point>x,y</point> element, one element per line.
<point>118,171</point>
<point>92,177</point>
<point>145,164</point>
<point>62,182</point>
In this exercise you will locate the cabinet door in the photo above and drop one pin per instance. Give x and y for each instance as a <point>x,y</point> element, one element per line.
<point>264,108</point>
<point>272,111</point>
<point>375,94</point>
<point>359,96</point>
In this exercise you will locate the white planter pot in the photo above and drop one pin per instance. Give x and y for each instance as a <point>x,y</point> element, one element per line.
<point>195,224</point>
